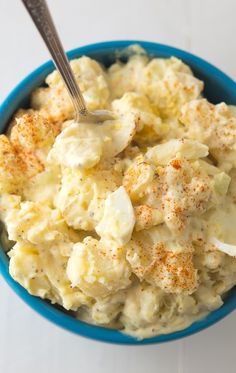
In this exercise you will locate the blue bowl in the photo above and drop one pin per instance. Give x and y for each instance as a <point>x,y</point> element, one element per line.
<point>218,87</point>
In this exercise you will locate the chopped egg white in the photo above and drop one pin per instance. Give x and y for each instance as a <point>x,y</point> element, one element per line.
<point>118,219</point>
<point>224,247</point>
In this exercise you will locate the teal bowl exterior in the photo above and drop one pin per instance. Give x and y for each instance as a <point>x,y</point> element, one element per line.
<point>218,87</point>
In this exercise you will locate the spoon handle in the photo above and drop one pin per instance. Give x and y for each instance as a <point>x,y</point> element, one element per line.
<point>42,19</point>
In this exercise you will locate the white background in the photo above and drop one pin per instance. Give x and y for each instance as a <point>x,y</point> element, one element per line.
<point>207,28</point>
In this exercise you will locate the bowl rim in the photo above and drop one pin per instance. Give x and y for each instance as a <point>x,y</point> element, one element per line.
<point>47,310</point>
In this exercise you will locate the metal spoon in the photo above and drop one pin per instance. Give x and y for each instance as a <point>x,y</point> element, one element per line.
<point>42,19</point>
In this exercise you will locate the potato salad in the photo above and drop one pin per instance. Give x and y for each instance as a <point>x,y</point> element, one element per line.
<point>129,224</point>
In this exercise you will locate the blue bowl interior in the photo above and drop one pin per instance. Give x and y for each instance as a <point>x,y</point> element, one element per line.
<point>218,87</point>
